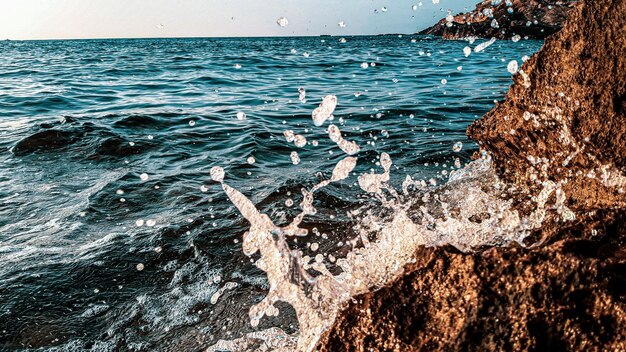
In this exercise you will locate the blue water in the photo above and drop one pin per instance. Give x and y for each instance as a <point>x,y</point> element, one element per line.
<point>80,121</point>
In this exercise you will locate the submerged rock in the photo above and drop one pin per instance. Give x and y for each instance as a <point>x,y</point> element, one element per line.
<point>45,141</point>
<point>563,121</point>
<point>504,19</point>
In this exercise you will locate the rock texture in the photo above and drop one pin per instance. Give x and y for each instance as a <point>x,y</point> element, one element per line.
<point>563,121</point>
<point>527,18</point>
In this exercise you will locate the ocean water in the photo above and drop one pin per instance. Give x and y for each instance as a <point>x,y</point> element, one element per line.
<point>113,235</point>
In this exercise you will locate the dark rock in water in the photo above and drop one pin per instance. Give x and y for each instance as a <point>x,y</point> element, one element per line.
<point>533,19</point>
<point>45,141</point>
<point>117,147</point>
<point>563,121</point>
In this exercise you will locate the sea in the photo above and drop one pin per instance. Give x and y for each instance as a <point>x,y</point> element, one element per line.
<point>129,170</point>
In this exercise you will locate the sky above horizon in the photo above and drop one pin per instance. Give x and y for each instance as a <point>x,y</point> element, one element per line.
<point>80,19</point>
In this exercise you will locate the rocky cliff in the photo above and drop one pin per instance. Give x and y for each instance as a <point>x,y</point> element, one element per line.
<point>563,121</point>
<point>505,19</point>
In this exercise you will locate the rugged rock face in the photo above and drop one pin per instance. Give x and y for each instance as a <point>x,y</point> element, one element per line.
<point>505,18</point>
<point>563,121</point>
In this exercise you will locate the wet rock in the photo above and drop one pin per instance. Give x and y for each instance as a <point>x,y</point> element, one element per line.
<point>569,295</point>
<point>563,118</point>
<point>533,19</point>
<point>118,147</point>
<point>47,140</point>
<point>563,122</point>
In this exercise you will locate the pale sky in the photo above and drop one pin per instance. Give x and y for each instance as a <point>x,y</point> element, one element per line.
<point>62,19</point>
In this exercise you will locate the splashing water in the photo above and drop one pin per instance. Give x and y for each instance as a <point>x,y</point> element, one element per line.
<point>325,110</point>
<point>350,148</point>
<point>467,212</point>
<point>482,46</point>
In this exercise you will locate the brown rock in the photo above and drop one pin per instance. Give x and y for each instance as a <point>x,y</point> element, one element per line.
<point>569,295</point>
<point>564,117</point>
<point>527,18</point>
<point>563,121</point>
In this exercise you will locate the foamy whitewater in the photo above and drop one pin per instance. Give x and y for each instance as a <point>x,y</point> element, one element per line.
<point>234,194</point>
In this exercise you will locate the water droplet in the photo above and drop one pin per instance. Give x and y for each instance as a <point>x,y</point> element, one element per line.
<point>302,95</point>
<point>151,223</point>
<point>139,222</point>
<point>342,24</point>
<point>140,267</point>
<point>158,249</point>
<point>204,188</point>
<point>516,38</point>
<point>237,66</point>
<point>482,46</point>
<point>467,51</point>
<point>512,67</point>
<point>289,135</point>
<point>325,110</point>
<point>295,158</point>
<point>119,191</point>
<point>384,9</point>
<point>444,81</point>
<point>251,160</point>
<point>414,7</point>
<point>217,174</point>
<point>192,123</point>
<point>282,21</point>
<point>289,203</point>
<point>241,115</point>
<point>300,141</point>
<point>364,65</point>
<point>457,146</point>
<point>144,177</point>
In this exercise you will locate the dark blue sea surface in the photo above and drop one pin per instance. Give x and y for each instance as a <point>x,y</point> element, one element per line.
<point>112,235</point>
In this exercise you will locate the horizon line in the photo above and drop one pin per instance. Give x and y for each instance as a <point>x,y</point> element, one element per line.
<point>214,37</point>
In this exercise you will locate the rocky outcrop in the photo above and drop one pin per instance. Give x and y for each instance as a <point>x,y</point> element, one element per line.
<point>534,19</point>
<point>564,122</point>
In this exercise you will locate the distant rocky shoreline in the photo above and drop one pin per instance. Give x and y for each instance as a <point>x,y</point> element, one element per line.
<point>562,123</point>
<point>504,19</point>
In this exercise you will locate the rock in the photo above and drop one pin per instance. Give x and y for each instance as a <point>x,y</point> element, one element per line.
<point>534,19</point>
<point>45,141</point>
<point>566,296</point>
<point>564,117</point>
<point>563,120</point>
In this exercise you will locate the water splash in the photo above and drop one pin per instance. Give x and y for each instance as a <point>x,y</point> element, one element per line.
<point>325,110</point>
<point>467,212</point>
